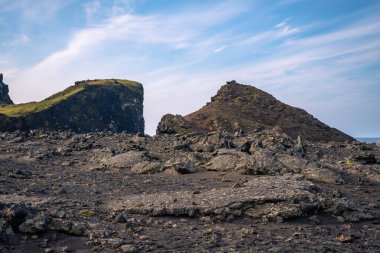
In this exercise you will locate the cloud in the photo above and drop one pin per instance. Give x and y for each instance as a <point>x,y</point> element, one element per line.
<point>279,31</point>
<point>175,55</point>
<point>121,7</point>
<point>321,73</point>
<point>285,29</point>
<point>173,31</point>
<point>36,11</point>
<point>282,23</point>
<point>91,9</point>
<point>220,49</point>
<point>22,39</point>
<point>357,31</point>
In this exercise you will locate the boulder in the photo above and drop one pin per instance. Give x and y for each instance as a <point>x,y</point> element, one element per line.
<point>125,160</point>
<point>173,124</point>
<point>261,162</point>
<point>37,224</point>
<point>181,165</point>
<point>309,170</point>
<point>16,214</point>
<point>146,167</point>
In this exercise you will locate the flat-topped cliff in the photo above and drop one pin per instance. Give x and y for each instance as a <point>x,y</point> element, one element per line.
<point>91,105</point>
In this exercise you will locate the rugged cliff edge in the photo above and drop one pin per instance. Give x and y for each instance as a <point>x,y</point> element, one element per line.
<point>4,96</point>
<point>237,107</point>
<point>91,105</point>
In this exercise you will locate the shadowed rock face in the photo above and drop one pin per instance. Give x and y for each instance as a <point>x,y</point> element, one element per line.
<point>237,107</point>
<point>92,105</point>
<point>4,96</point>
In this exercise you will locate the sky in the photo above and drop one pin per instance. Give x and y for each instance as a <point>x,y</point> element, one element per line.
<point>319,55</point>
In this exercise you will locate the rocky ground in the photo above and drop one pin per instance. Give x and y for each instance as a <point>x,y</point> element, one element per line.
<point>107,192</point>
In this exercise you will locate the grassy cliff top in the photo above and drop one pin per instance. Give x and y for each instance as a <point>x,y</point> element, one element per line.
<point>27,108</point>
<point>129,83</point>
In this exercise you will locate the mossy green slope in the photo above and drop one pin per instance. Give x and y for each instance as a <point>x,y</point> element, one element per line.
<point>32,107</point>
<point>90,105</point>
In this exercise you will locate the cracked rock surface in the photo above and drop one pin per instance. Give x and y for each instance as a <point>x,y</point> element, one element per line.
<point>209,192</point>
<point>223,202</point>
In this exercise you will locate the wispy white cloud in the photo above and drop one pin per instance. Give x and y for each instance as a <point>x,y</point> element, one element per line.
<point>170,53</point>
<point>36,11</point>
<point>175,31</point>
<point>220,49</point>
<point>315,73</point>
<point>91,9</point>
<point>121,7</point>
<point>285,29</point>
<point>283,23</point>
<point>8,72</point>
<point>279,31</point>
<point>368,56</point>
<point>357,31</point>
<point>22,39</point>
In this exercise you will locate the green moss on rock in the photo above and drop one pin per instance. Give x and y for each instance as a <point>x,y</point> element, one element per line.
<point>129,83</point>
<point>27,108</point>
<point>32,107</point>
<point>90,105</point>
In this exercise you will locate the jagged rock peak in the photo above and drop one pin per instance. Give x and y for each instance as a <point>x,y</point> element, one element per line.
<point>232,90</point>
<point>235,87</point>
<point>4,93</point>
<point>244,108</point>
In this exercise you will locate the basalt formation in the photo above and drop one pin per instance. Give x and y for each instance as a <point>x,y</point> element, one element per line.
<point>192,190</point>
<point>243,108</point>
<point>214,192</point>
<point>4,93</point>
<point>92,105</point>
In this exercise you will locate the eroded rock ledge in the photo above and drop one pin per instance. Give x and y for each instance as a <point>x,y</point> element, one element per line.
<point>267,198</point>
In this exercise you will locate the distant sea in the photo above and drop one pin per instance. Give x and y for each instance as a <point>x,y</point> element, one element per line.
<point>368,139</point>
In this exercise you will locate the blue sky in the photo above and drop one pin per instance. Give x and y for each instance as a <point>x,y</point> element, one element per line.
<point>319,55</point>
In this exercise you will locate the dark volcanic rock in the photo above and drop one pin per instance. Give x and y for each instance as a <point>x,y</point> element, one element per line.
<point>118,192</point>
<point>223,202</point>
<point>125,160</point>
<point>171,124</point>
<point>4,96</point>
<point>244,108</point>
<point>93,105</point>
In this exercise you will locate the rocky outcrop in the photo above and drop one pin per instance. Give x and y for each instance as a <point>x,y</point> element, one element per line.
<point>117,192</point>
<point>4,96</point>
<point>225,203</point>
<point>244,108</point>
<point>172,124</point>
<point>92,105</point>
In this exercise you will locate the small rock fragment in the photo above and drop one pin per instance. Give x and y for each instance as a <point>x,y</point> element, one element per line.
<point>128,248</point>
